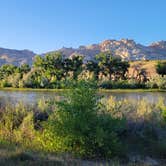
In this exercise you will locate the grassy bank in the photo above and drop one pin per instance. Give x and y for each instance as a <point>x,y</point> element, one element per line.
<point>20,157</point>
<point>143,138</point>
<point>17,156</point>
<point>84,128</point>
<point>131,90</point>
<point>33,89</point>
<point>100,90</point>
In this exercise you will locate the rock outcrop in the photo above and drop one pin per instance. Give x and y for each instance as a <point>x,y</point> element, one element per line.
<point>124,48</point>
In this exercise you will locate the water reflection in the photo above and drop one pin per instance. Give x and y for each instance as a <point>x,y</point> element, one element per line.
<point>31,97</point>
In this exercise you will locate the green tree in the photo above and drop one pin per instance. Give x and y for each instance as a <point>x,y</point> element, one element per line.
<point>119,68</point>
<point>112,66</point>
<point>38,61</point>
<point>161,68</point>
<point>33,79</point>
<point>75,65</point>
<point>93,66</point>
<point>24,68</point>
<point>6,70</point>
<point>79,127</point>
<point>67,66</point>
<point>51,65</point>
<point>103,63</point>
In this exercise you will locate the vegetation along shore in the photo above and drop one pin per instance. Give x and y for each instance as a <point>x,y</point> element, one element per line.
<point>83,127</point>
<point>54,71</point>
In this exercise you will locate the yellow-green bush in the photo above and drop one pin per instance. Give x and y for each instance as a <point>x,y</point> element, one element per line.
<point>86,125</point>
<point>78,126</point>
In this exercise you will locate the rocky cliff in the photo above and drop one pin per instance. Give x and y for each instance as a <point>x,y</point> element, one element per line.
<point>124,48</point>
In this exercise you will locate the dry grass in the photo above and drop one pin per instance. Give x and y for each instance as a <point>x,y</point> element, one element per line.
<point>19,157</point>
<point>149,66</point>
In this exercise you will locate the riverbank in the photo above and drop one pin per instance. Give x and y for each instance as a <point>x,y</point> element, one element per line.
<point>100,90</point>
<point>11,156</point>
<point>147,150</point>
<point>84,130</point>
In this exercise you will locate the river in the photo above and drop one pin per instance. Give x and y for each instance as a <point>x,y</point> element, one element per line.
<point>31,97</point>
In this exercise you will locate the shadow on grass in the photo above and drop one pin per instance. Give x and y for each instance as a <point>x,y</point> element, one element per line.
<point>28,159</point>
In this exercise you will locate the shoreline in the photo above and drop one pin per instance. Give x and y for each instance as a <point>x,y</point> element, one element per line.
<point>99,90</point>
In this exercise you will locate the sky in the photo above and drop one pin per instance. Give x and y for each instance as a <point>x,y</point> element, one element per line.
<point>45,25</point>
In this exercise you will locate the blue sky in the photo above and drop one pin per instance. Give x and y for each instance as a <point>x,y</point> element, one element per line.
<point>44,25</point>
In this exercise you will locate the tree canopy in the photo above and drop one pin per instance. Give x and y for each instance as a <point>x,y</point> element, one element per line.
<point>161,68</point>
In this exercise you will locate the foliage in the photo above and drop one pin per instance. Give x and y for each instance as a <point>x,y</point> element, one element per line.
<point>114,67</point>
<point>157,82</point>
<point>14,80</point>
<point>80,128</point>
<point>11,118</point>
<point>6,70</point>
<point>57,71</point>
<point>123,84</point>
<point>75,64</point>
<point>86,125</point>
<point>161,68</point>
<point>93,66</point>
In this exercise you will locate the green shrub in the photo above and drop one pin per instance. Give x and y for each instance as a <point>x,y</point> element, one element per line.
<point>5,83</point>
<point>124,84</point>
<point>157,82</point>
<point>14,80</point>
<point>79,127</point>
<point>10,120</point>
<point>62,84</point>
<point>161,68</point>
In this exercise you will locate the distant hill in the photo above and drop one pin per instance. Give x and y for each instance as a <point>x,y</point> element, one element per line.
<point>16,57</point>
<point>124,48</point>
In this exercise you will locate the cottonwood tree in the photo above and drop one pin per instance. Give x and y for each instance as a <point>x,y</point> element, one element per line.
<point>112,66</point>
<point>161,68</point>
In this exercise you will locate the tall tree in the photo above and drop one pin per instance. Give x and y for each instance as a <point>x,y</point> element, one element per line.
<point>6,70</point>
<point>24,68</point>
<point>112,66</point>
<point>76,65</point>
<point>161,68</point>
<point>118,68</point>
<point>93,66</point>
<point>51,65</point>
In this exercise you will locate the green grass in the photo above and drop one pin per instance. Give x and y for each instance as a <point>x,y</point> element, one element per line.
<point>131,90</point>
<point>17,152</point>
<point>100,90</point>
<point>19,157</point>
<point>33,89</point>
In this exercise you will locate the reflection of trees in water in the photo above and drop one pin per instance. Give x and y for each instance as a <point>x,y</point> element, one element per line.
<point>32,98</point>
<point>151,97</point>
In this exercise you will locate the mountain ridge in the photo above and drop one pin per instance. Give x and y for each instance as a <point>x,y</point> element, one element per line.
<point>16,57</point>
<point>127,49</point>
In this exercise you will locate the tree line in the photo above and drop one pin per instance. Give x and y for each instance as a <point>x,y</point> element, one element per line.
<point>56,71</point>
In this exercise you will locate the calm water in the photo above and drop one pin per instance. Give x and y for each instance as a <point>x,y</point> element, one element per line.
<point>31,97</point>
